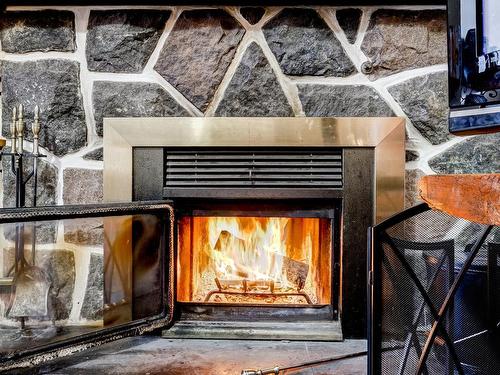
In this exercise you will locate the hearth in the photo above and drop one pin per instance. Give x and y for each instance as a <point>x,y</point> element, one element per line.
<point>270,216</point>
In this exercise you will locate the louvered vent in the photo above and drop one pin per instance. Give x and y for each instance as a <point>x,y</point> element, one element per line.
<point>253,168</point>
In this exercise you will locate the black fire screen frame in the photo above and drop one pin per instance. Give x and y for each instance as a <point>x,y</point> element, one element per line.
<point>67,346</point>
<point>384,248</point>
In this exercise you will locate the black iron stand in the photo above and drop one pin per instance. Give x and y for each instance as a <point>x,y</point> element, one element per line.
<point>17,168</point>
<point>245,290</point>
<point>17,161</point>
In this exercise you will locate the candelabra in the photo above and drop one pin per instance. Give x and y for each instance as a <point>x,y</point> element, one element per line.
<point>18,157</point>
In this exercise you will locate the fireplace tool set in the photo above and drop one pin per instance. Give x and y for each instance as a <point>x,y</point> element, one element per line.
<point>30,284</point>
<point>284,369</point>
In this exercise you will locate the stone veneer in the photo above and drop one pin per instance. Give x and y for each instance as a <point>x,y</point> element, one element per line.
<point>81,64</point>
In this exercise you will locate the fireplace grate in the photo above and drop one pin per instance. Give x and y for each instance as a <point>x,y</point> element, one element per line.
<point>253,168</point>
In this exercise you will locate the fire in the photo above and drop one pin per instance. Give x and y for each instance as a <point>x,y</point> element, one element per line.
<point>249,248</point>
<point>240,259</point>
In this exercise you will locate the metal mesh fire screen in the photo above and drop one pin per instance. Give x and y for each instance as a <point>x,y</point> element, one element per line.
<point>434,295</point>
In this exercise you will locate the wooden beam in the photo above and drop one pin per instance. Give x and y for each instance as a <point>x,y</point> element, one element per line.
<point>474,197</point>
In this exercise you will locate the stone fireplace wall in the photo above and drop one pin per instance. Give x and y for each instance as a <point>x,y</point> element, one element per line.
<point>81,64</point>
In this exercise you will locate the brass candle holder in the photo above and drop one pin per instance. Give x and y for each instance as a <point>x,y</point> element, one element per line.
<point>19,155</point>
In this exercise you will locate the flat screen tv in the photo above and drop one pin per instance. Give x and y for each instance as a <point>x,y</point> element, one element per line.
<point>474,65</point>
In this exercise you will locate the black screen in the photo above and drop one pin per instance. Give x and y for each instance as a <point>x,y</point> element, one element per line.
<point>474,51</point>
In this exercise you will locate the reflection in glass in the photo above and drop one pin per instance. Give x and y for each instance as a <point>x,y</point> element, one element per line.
<point>60,279</point>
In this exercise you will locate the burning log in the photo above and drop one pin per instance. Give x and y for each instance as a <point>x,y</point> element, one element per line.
<point>295,271</point>
<point>227,240</point>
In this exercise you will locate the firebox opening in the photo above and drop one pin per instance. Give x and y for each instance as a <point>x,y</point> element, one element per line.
<point>263,260</point>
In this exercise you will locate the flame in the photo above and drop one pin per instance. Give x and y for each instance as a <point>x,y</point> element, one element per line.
<point>291,254</point>
<point>248,248</point>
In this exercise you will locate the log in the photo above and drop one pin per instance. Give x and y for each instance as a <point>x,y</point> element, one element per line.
<point>295,271</point>
<point>474,197</point>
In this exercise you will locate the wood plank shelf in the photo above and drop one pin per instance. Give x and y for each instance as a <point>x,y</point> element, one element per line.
<point>474,197</point>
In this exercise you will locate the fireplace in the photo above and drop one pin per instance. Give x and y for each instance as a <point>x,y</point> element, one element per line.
<point>270,216</point>
<point>249,263</point>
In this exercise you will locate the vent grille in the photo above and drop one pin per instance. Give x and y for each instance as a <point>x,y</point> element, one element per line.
<point>254,168</point>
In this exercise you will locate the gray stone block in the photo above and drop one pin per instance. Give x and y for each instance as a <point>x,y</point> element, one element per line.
<point>89,231</point>
<point>304,45</point>
<point>411,155</point>
<point>480,154</point>
<point>254,90</point>
<point>132,99</point>
<point>53,85</point>
<point>342,101</point>
<point>252,14</point>
<point>412,194</point>
<point>121,41</point>
<point>349,19</point>
<point>92,307</point>
<point>425,101</point>
<point>82,186</point>
<point>60,265</point>
<point>94,155</point>
<point>198,52</point>
<point>398,40</point>
<point>28,31</point>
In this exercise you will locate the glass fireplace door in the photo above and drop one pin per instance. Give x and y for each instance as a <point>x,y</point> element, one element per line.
<point>75,276</point>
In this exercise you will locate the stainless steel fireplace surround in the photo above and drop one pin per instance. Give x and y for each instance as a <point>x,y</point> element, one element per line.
<point>341,175</point>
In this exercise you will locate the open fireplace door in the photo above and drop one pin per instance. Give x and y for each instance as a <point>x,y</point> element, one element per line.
<point>74,277</point>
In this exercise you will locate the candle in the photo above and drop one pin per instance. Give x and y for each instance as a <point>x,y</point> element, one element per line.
<point>13,134</point>
<point>20,129</point>
<point>36,130</point>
